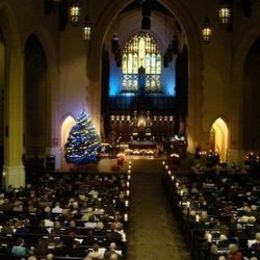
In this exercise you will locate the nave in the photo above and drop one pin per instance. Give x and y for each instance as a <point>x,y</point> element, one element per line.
<point>153,232</point>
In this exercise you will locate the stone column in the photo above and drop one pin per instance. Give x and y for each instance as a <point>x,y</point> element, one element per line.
<point>93,102</point>
<point>13,166</point>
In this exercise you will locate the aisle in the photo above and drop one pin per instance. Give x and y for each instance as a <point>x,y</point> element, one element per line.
<point>153,233</point>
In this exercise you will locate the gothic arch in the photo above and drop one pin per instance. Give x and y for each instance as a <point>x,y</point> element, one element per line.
<point>100,30</point>
<point>240,55</point>
<point>36,98</point>
<point>66,125</point>
<point>51,54</point>
<point>9,28</point>
<point>221,137</point>
<point>125,34</point>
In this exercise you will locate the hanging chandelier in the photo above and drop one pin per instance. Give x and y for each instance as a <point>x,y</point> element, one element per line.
<point>224,12</point>
<point>206,31</point>
<point>86,29</point>
<point>74,12</point>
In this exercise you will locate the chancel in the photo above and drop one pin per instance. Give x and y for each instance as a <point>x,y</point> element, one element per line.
<point>95,95</point>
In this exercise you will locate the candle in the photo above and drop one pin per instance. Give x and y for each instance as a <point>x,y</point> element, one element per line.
<point>163,163</point>
<point>169,172</point>
<point>181,193</point>
<point>125,217</point>
<point>126,203</point>
<point>197,218</point>
<point>129,177</point>
<point>177,184</point>
<point>127,184</point>
<point>166,167</point>
<point>129,171</point>
<point>127,192</point>
<point>173,180</point>
<point>188,204</point>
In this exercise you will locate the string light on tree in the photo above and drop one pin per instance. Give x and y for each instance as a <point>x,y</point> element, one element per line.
<point>83,142</point>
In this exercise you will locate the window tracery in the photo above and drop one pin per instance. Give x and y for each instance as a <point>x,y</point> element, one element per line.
<point>141,50</point>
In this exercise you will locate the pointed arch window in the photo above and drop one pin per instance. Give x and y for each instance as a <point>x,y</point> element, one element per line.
<point>141,50</point>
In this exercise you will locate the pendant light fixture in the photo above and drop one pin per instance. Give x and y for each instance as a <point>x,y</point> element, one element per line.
<point>86,29</point>
<point>224,12</point>
<point>206,29</point>
<point>74,12</point>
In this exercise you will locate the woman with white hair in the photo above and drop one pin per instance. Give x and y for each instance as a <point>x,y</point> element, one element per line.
<point>223,241</point>
<point>213,252</point>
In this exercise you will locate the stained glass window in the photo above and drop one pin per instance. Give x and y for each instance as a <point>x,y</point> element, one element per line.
<point>141,50</point>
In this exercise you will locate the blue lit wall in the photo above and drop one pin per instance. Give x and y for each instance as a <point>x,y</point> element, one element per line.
<point>114,79</point>
<point>168,79</point>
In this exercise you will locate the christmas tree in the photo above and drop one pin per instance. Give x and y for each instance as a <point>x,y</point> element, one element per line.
<point>83,142</point>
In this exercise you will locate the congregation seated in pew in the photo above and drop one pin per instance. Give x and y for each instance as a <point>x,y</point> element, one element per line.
<point>219,213</point>
<point>65,216</point>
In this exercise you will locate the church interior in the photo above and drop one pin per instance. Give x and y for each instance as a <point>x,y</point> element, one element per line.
<point>163,95</point>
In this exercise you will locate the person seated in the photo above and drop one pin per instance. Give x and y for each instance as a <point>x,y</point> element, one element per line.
<point>222,257</point>
<point>48,222</point>
<point>50,256</point>
<point>69,240</point>
<point>72,227</point>
<point>114,256</point>
<point>88,214</point>
<point>42,246</point>
<point>233,253</point>
<point>116,224</point>
<point>256,245</point>
<point>19,249</point>
<point>6,206</point>
<point>17,206</point>
<point>213,252</point>
<point>76,250</point>
<point>59,249</point>
<point>223,241</point>
<point>95,253</point>
<point>21,229</point>
<point>57,209</point>
<point>112,251</point>
<point>93,193</point>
